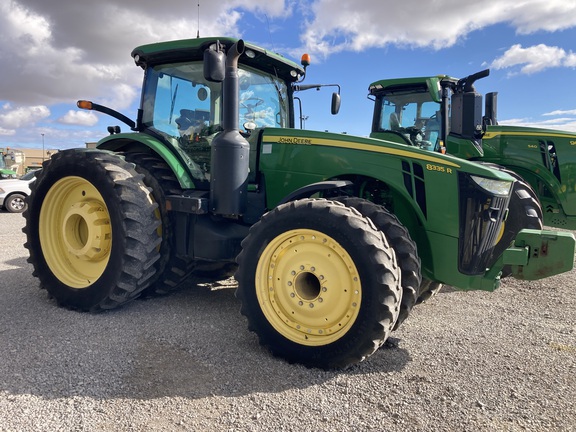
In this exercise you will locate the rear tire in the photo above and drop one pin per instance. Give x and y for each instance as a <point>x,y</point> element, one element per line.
<point>171,269</point>
<point>91,230</point>
<point>404,247</point>
<point>318,283</point>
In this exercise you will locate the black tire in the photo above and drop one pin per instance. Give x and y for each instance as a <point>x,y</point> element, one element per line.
<point>15,203</point>
<point>171,269</point>
<point>525,211</point>
<point>91,230</point>
<point>318,283</point>
<point>428,289</point>
<point>404,247</point>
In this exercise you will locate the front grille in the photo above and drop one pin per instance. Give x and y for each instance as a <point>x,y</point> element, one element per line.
<point>481,218</point>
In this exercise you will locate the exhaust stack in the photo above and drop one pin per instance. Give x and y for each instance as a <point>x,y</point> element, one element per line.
<point>230,150</point>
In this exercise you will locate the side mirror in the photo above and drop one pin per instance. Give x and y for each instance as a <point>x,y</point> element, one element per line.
<point>335,103</point>
<point>214,63</point>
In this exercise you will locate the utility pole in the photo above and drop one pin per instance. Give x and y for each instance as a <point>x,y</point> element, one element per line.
<point>43,153</point>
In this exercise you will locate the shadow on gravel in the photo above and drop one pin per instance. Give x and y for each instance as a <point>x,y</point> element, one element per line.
<point>191,344</point>
<point>16,262</point>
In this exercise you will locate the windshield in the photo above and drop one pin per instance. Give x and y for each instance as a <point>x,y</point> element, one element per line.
<point>29,175</point>
<point>413,115</point>
<point>187,109</point>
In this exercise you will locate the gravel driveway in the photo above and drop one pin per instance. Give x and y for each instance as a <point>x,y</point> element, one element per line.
<point>476,361</point>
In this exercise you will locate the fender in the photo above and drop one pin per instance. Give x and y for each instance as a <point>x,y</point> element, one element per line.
<point>311,189</point>
<point>178,162</point>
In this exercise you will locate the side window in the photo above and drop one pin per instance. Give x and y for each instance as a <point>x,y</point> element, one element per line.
<point>414,116</point>
<point>181,107</point>
<point>263,100</point>
<point>186,110</point>
<point>389,116</point>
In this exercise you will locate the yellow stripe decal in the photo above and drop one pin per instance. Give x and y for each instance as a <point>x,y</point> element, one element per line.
<point>359,146</point>
<point>533,134</point>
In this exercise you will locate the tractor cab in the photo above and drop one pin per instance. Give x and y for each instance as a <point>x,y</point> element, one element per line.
<point>434,113</point>
<point>185,109</point>
<point>183,105</point>
<point>183,102</point>
<point>407,113</point>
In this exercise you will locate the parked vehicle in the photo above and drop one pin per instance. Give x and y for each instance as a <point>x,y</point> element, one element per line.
<point>11,163</point>
<point>6,174</point>
<point>442,113</point>
<point>331,233</point>
<point>13,192</point>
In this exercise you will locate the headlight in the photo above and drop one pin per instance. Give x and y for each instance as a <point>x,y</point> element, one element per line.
<point>496,187</point>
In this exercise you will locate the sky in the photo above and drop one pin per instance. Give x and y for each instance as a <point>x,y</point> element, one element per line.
<point>54,52</point>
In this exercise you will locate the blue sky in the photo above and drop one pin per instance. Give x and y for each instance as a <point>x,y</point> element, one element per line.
<point>54,52</point>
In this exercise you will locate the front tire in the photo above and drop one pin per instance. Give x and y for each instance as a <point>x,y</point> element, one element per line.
<point>318,283</point>
<point>91,230</point>
<point>404,247</point>
<point>525,212</point>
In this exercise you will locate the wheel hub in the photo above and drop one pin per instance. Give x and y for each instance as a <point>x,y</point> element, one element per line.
<point>86,231</point>
<point>18,204</point>
<point>75,231</point>
<point>310,290</point>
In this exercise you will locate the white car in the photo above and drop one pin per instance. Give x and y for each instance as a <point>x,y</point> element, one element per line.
<point>13,192</point>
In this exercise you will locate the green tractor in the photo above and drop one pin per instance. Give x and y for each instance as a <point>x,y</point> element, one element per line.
<point>444,114</point>
<point>329,235</point>
<point>7,163</point>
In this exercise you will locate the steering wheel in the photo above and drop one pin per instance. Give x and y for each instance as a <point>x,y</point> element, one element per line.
<point>250,107</point>
<point>414,132</point>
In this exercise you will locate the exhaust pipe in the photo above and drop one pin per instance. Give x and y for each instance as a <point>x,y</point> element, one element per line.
<point>230,150</point>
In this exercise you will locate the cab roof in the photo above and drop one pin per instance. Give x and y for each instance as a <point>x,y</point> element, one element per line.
<point>398,83</point>
<point>186,50</point>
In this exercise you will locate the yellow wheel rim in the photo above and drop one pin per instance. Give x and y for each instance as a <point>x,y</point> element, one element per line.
<point>308,287</point>
<point>75,232</point>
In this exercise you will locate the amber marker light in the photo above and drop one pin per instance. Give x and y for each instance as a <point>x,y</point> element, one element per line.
<point>305,60</point>
<point>84,104</point>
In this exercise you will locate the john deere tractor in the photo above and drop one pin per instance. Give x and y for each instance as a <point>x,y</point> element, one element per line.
<point>329,235</point>
<point>442,113</point>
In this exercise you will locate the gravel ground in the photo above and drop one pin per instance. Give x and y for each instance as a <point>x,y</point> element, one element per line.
<point>476,361</point>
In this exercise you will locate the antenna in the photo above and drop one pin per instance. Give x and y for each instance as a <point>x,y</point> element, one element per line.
<point>269,33</point>
<point>198,32</point>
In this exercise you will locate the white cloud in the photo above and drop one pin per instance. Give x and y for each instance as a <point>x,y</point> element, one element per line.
<point>336,26</point>
<point>561,124</point>
<point>530,16</point>
<point>23,116</point>
<point>82,118</point>
<point>535,58</point>
<point>59,51</point>
<point>561,112</point>
<point>7,132</point>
